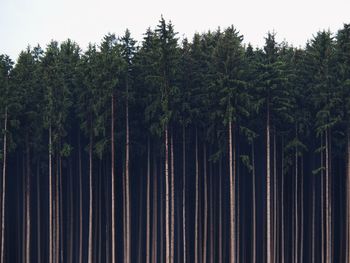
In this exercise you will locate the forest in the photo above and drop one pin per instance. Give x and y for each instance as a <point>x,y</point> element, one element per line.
<point>174,150</point>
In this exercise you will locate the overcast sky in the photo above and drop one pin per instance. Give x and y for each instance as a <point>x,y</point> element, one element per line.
<point>29,22</point>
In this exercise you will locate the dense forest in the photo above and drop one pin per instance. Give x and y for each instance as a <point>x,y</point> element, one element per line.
<point>169,150</point>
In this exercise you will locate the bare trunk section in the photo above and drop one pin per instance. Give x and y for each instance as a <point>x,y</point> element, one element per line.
<point>113,181</point>
<point>139,253</point>
<point>80,204</point>
<point>282,204</point>
<point>268,190</point>
<point>38,211</point>
<point>296,208</point>
<point>50,199</point>
<point>155,203</point>
<point>232,197</point>
<point>220,211</point>
<point>322,204</point>
<point>28,193</point>
<point>196,205</point>
<point>205,230</point>
<point>328,202</point>
<point>90,256</point>
<point>127,184</point>
<point>275,227</point>
<point>184,192</point>
<point>3,204</point>
<point>253,207</point>
<point>148,205</point>
<point>167,230</point>
<point>172,227</point>
<point>348,196</point>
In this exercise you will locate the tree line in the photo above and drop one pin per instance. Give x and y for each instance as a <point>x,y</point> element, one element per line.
<point>202,150</point>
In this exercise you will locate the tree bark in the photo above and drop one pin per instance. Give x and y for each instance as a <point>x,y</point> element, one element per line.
<point>113,182</point>
<point>80,204</point>
<point>127,190</point>
<point>220,211</point>
<point>328,201</point>
<point>155,209</point>
<point>184,192</point>
<point>268,190</point>
<point>90,256</point>
<point>148,221</point>
<point>282,204</point>
<point>167,232</point>
<point>196,205</point>
<point>50,198</point>
<point>348,196</point>
<point>253,207</point>
<point>28,194</point>
<point>232,197</point>
<point>3,204</point>
<point>38,211</point>
<point>172,229</point>
<point>205,232</point>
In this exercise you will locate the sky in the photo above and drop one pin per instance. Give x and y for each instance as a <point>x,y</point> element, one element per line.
<point>32,22</point>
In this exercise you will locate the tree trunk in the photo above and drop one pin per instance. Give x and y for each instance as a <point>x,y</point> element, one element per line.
<point>127,190</point>
<point>38,211</point>
<point>155,203</point>
<point>274,198</point>
<point>220,211</point>
<point>50,199</point>
<point>282,204</point>
<point>172,229</point>
<point>205,232</point>
<point>328,201</point>
<point>57,213</point>
<point>28,193</point>
<point>348,196</point>
<point>322,203</point>
<point>139,253</point>
<point>148,221</point>
<point>113,182</point>
<point>3,204</point>
<point>232,197</point>
<point>184,192</point>
<point>167,232</point>
<point>296,214</point>
<point>253,207</point>
<point>197,206</point>
<point>268,190</point>
<point>80,204</point>
<point>90,256</point>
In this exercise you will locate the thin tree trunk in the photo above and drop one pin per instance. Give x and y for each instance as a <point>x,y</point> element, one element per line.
<point>71,216</point>
<point>90,256</point>
<point>3,204</point>
<point>274,198</point>
<point>196,206</point>
<point>167,232</point>
<point>38,211</point>
<point>172,229</point>
<point>113,182</point>
<point>254,207</point>
<point>296,214</point>
<point>28,193</point>
<point>155,203</point>
<point>301,211</point>
<point>268,190</point>
<point>322,203</point>
<point>282,204</point>
<point>328,207</point>
<point>57,246</point>
<point>184,192</point>
<point>205,232</point>
<point>139,253</point>
<point>80,204</point>
<point>220,210</point>
<point>348,196</point>
<point>127,191</point>
<point>50,199</point>
<point>232,197</point>
<point>148,221</point>
<point>211,208</point>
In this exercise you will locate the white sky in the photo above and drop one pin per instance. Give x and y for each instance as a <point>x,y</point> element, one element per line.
<point>24,22</point>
